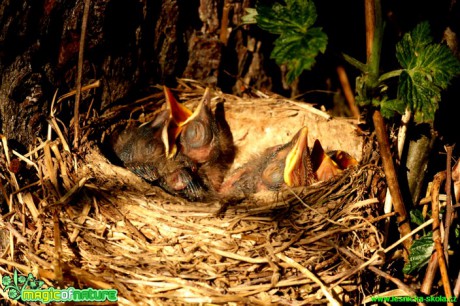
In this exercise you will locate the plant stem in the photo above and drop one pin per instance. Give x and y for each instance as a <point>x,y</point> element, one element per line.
<point>430,274</point>
<point>449,209</point>
<point>374,36</point>
<point>438,179</point>
<point>369,12</point>
<point>391,177</point>
<point>355,63</point>
<point>348,93</point>
<point>391,74</point>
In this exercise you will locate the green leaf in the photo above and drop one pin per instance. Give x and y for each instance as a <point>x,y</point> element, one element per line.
<point>416,217</point>
<point>296,15</point>
<point>298,51</point>
<point>420,253</point>
<point>412,45</point>
<point>298,43</point>
<point>422,96</point>
<point>250,17</point>
<point>388,108</point>
<point>428,69</point>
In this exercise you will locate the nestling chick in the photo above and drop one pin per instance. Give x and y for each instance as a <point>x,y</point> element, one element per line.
<point>330,164</point>
<point>283,165</point>
<point>206,139</point>
<point>142,150</point>
<point>185,153</point>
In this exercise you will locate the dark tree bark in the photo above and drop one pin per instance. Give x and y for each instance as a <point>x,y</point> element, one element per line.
<point>39,49</point>
<point>129,45</point>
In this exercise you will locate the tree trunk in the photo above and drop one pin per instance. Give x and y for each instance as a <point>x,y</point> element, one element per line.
<point>128,47</point>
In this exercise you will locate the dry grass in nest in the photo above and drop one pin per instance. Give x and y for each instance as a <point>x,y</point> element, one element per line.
<point>87,223</point>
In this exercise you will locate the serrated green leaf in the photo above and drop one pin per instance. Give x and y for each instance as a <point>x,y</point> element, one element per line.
<point>419,253</point>
<point>412,45</point>
<point>298,52</point>
<point>428,69</point>
<point>296,15</point>
<point>299,43</point>
<point>421,95</point>
<point>390,107</point>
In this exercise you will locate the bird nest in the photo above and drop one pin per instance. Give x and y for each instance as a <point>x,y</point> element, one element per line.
<point>85,222</point>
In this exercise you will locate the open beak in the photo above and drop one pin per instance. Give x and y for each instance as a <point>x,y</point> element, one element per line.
<point>343,159</point>
<point>323,165</point>
<point>179,112</point>
<point>178,115</point>
<point>200,111</point>
<point>298,168</point>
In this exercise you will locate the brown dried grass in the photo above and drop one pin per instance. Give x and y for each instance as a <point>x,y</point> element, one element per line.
<point>87,223</point>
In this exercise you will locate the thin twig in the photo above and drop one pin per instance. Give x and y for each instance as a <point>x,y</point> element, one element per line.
<point>71,93</point>
<point>377,257</point>
<point>348,93</point>
<point>421,226</point>
<point>457,286</point>
<point>392,178</point>
<point>301,269</point>
<point>449,209</point>
<point>438,179</point>
<point>430,273</point>
<point>310,108</point>
<point>377,271</point>
<point>80,73</point>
